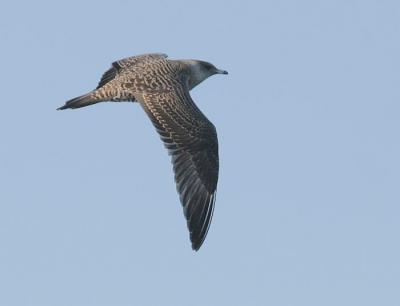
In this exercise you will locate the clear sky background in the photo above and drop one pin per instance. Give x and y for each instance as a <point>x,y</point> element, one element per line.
<point>307,211</point>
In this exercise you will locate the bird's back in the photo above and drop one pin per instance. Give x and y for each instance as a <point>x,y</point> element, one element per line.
<point>161,87</point>
<point>149,73</point>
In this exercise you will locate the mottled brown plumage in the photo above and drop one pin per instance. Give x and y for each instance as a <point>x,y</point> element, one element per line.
<point>162,86</point>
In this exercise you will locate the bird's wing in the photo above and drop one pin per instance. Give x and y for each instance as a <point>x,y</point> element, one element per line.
<point>191,140</point>
<point>117,66</point>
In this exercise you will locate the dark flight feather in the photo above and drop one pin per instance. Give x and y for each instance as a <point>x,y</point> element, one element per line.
<point>193,146</point>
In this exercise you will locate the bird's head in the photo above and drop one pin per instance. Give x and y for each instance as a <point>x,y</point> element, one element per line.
<point>200,70</point>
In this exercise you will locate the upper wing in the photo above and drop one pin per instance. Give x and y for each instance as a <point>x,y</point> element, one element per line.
<point>192,141</point>
<point>117,66</point>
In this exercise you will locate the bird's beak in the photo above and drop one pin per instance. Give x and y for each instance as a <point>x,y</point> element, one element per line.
<point>219,71</point>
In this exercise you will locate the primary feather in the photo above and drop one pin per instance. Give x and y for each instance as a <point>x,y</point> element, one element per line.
<point>162,88</point>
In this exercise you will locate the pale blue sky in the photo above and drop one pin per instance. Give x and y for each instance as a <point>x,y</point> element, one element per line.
<point>307,211</point>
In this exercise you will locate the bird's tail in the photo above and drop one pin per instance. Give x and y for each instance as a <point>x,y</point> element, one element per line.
<point>81,101</point>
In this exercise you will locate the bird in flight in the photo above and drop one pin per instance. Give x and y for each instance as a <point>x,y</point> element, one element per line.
<point>161,86</point>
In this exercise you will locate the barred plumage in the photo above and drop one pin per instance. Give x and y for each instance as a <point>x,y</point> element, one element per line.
<point>162,86</point>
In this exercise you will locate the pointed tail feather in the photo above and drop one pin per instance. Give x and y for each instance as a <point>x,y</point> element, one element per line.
<point>80,101</point>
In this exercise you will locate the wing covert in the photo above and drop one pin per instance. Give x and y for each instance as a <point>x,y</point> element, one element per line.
<point>191,140</point>
<point>119,65</point>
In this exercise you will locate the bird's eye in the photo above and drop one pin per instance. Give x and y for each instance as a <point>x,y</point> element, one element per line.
<point>209,67</point>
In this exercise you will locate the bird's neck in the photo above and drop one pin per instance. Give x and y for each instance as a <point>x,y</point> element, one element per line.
<point>195,73</point>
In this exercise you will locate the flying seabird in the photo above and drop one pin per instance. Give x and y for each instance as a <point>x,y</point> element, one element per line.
<point>161,86</point>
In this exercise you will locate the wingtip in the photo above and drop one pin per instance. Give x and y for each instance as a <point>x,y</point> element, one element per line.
<point>197,243</point>
<point>196,247</point>
<point>198,238</point>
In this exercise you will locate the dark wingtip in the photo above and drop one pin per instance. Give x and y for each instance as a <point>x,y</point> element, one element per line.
<point>196,246</point>
<point>197,241</point>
